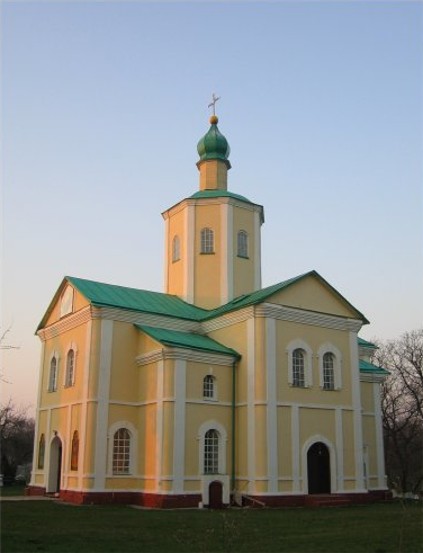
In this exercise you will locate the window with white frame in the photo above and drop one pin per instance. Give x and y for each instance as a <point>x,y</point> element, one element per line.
<point>242,244</point>
<point>211,452</point>
<point>176,249</point>
<point>209,387</point>
<point>298,377</point>
<point>70,368</point>
<point>66,304</point>
<point>207,240</point>
<point>121,451</point>
<point>300,364</point>
<point>52,383</point>
<point>75,451</point>
<point>330,362</point>
<point>328,371</point>
<point>41,452</point>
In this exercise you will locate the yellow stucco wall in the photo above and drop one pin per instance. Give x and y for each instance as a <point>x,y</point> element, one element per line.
<point>310,294</point>
<point>244,269</point>
<point>207,286</point>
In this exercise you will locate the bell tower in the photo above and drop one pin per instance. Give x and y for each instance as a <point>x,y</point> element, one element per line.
<point>212,238</point>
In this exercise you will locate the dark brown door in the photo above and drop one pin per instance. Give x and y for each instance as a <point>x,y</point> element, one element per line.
<point>318,469</point>
<point>215,495</point>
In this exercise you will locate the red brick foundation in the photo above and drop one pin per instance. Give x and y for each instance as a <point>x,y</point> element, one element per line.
<point>35,490</point>
<point>156,501</point>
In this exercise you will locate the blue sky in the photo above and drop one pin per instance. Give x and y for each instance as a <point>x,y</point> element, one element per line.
<point>102,107</point>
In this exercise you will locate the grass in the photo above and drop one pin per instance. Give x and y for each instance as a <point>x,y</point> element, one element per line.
<point>8,491</point>
<point>48,526</point>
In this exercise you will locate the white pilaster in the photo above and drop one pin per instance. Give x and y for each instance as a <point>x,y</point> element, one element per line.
<point>100,462</point>
<point>36,436</point>
<point>159,423</point>
<point>189,254</point>
<point>251,433</point>
<point>257,251</point>
<point>166,257</point>
<point>295,439</point>
<point>357,417</point>
<point>179,427</point>
<point>339,449</point>
<point>272,433</point>
<point>380,458</point>
<point>84,406</point>
<point>227,266</point>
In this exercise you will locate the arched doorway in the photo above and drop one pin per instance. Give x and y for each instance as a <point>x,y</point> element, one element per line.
<point>318,468</point>
<point>55,469</point>
<point>215,495</point>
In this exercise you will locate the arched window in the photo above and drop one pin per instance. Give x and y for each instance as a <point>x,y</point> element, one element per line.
<point>52,383</point>
<point>207,240</point>
<point>298,367</point>
<point>209,387</point>
<point>41,451</point>
<point>330,367</point>
<point>328,371</point>
<point>211,452</point>
<point>242,244</point>
<point>75,451</point>
<point>70,367</point>
<point>176,248</point>
<point>121,451</point>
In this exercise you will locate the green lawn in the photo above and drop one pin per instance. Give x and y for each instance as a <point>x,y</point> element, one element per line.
<point>57,527</point>
<point>7,491</point>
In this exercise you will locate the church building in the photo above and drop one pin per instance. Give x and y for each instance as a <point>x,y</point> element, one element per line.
<point>216,391</point>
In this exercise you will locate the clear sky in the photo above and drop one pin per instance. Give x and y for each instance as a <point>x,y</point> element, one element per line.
<point>103,104</point>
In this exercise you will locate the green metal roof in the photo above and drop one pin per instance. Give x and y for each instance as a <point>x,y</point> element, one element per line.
<point>189,340</point>
<point>369,368</point>
<point>219,194</point>
<point>261,295</point>
<point>111,295</point>
<point>365,344</point>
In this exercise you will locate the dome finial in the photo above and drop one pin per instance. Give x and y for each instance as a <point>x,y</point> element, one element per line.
<point>213,118</point>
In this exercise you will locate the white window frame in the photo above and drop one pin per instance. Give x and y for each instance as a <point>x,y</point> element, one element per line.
<point>222,445</point>
<point>66,383</point>
<point>133,448</point>
<point>207,240</point>
<point>176,248</point>
<point>337,366</point>
<point>66,301</point>
<point>308,362</point>
<point>53,383</point>
<point>210,385</point>
<point>242,244</point>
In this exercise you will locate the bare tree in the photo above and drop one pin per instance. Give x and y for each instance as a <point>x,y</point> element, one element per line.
<point>16,438</point>
<point>4,345</point>
<point>402,408</point>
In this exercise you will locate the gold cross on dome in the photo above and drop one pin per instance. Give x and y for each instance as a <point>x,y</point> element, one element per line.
<point>213,102</point>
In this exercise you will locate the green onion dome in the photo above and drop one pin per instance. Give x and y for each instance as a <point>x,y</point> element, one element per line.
<point>213,145</point>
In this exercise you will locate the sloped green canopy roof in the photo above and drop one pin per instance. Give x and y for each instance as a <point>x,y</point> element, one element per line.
<point>369,368</point>
<point>219,194</point>
<point>261,295</point>
<point>134,299</point>
<point>365,344</point>
<point>188,340</point>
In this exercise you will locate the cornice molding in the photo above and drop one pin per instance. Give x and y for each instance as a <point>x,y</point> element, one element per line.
<point>228,319</point>
<point>147,319</point>
<point>66,323</point>
<point>379,378</point>
<point>292,314</point>
<point>186,355</point>
<point>212,201</point>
